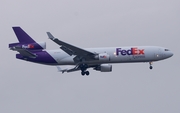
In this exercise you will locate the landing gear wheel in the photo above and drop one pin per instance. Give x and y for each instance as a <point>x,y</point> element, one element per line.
<point>87,73</point>
<point>83,68</point>
<point>82,73</point>
<point>150,67</point>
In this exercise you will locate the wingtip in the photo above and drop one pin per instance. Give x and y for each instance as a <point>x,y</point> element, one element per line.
<point>58,68</point>
<point>50,35</point>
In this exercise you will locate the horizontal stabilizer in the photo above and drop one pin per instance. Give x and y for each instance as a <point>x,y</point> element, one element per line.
<point>24,52</point>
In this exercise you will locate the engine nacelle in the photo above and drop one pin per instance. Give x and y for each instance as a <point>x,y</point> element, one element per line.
<point>42,44</point>
<point>104,68</point>
<point>102,57</point>
<point>31,46</point>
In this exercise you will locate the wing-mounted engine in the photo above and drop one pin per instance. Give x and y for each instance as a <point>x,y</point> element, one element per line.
<point>30,46</point>
<point>104,68</point>
<point>102,57</point>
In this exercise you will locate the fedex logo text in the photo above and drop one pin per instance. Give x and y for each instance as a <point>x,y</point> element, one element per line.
<point>132,51</point>
<point>103,56</point>
<point>29,46</point>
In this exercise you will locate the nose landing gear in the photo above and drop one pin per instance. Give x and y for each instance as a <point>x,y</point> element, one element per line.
<point>150,67</point>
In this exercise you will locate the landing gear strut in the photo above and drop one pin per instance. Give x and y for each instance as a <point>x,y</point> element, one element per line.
<point>150,67</point>
<point>83,69</point>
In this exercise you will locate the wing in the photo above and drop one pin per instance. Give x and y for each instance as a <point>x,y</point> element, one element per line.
<point>68,70</point>
<point>81,54</point>
<point>76,68</point>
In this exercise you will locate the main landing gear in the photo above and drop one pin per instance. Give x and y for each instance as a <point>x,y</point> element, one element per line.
<point>150,67</point>
<point>85,72</point>
<point>83,68</point>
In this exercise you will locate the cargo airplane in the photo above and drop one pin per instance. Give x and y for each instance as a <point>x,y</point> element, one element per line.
<point>100,59</point>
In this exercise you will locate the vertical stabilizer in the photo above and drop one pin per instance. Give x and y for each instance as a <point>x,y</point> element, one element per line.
<point>22,36</point>
<point>25,41</point>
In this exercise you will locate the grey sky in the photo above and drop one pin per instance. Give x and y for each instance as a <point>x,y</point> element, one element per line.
<point>131,88</point>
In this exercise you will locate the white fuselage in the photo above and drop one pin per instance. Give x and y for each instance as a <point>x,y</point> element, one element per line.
<point>116,55</point>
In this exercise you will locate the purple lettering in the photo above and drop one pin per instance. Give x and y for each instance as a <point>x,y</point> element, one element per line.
<point>132,51</point>
<point>123,52</point>
<point>129,52</point>
<point>118,50</point>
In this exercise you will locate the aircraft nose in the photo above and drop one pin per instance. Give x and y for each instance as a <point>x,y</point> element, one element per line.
<point>169,54</point>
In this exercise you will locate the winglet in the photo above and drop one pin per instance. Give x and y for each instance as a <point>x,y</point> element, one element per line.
<point>50,36</point>
<point>59,68</point>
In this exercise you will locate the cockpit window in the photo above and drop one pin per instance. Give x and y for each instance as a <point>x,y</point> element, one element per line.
<point>166,49</point>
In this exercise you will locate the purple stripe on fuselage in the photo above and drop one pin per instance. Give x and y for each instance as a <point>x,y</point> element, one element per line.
<point>42,58</point>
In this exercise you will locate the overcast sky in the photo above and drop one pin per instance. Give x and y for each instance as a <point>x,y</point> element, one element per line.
<point>131,88</point>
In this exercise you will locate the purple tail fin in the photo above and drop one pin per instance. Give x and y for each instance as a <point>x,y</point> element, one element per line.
<point>25,41</point>
<point>22,36</point>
